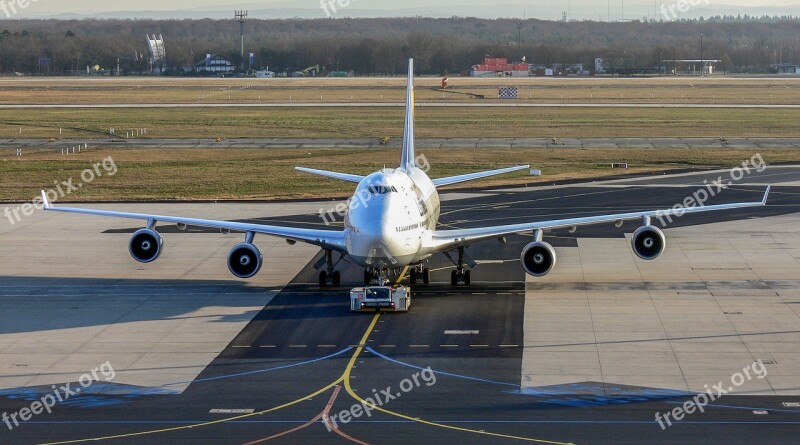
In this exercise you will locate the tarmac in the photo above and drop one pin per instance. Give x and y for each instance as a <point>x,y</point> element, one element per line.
<point>419,104</point>
<point>587,354</point>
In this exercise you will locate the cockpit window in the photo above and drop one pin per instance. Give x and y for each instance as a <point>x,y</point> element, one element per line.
<point>381,189</point>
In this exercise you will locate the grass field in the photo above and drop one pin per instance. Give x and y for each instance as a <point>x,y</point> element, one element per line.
<point>211,174</point>
<point>696,90</point>
<point>382,122</point>
<point>249,174</point>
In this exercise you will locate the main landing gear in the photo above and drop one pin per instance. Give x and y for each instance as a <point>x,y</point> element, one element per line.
<point>461,274</point>
<point>329,276</point>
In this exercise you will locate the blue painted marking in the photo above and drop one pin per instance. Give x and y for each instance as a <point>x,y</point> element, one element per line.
<point>588,394</point>
<point>259,371</point>
<point>96,395</point>
<point>101,394</point>
<point>593,394</point>
<point>466,377</point>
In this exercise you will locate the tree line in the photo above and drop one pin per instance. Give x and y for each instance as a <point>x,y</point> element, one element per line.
<point>380,46</point>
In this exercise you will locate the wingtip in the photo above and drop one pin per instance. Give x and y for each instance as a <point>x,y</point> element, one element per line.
<point>766,195</point>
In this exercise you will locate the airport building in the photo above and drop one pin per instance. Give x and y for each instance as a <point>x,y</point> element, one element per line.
<point>690,66</point>
<point>215,64</point>
<point>786,68</point>
<point>158,55</point>
<point>499,67</point>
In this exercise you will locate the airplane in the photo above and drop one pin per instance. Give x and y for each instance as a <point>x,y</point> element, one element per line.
<point>394,225</point>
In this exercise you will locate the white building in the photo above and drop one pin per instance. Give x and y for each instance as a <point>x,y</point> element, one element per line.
<point>158,55</point>
<point>215,64</point>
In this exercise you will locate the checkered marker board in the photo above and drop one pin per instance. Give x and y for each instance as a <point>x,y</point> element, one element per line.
<point>507,92</point>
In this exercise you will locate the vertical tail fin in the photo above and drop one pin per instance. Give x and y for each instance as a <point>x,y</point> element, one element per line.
<point>408,157</point>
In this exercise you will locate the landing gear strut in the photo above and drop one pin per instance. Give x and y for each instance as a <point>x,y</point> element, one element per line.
<point>461,273</point>
<point>418,272</point>
<point>329,276</point>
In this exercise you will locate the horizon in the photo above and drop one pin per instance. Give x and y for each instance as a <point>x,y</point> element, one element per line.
<point>573,10</point>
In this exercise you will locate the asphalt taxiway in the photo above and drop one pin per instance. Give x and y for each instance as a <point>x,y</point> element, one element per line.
<point>587,354</point>
<point>419,104</point>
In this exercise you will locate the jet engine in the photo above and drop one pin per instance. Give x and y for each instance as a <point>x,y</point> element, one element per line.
<point>648,242</point>
<point>145,245</point>
<point>245,260</point>
<point>538,258</point>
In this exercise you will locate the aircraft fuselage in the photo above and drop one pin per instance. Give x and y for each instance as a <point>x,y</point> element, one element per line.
<point>388,217</point>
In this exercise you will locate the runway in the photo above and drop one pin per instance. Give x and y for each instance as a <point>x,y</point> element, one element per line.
<point>588,354</point>
<point>424,143</point>
<point>420,104</point>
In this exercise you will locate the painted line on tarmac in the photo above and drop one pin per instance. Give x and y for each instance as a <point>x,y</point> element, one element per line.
<point>461,376</point>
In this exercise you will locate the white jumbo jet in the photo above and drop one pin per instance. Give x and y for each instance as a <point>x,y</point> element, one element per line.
<point>396,224</point>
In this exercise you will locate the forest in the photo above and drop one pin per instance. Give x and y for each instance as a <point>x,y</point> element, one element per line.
<point>380,46</point>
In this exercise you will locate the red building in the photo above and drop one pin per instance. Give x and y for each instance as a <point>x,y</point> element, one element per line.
<point>499,66</point>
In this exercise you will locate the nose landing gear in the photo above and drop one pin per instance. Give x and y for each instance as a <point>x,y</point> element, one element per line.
<point>418,272</point>
<point>379,276</point>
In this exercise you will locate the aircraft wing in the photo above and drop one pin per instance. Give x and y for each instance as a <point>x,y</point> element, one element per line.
<point>328,239</point>
<point>442,240</point>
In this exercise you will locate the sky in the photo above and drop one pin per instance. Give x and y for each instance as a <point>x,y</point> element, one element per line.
<point>545,9</point>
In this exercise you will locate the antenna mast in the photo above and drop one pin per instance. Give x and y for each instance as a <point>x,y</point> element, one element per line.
<point>241,17</point>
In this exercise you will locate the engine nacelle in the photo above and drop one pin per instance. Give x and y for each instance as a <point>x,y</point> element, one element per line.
<point>145,245</point>
<point>538,258</point>
<point>245,260</point>
<point>648,242</point>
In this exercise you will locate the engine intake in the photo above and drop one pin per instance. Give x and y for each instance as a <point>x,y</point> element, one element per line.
<point>538,258</point>
<point>245,260</point>
<point>648,242</point>
<point>145,245</point>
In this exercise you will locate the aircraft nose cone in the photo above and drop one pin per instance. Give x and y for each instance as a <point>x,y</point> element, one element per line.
<point>372,232</point>
<point>374,243</point>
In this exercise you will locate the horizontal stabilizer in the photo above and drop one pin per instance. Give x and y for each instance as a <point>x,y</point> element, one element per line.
<point>334,175</point>
<point>473,176</point>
